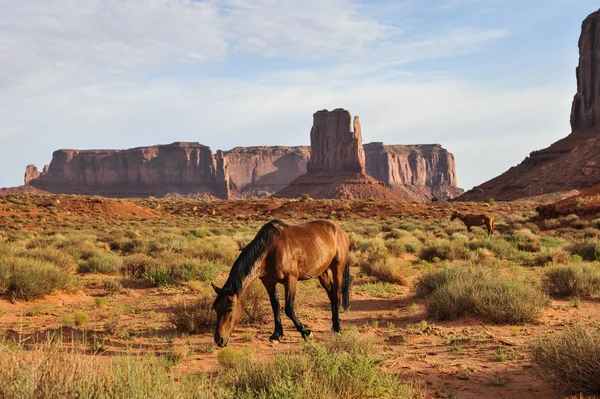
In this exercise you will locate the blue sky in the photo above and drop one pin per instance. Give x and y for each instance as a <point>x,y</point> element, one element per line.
<point>490,80</point>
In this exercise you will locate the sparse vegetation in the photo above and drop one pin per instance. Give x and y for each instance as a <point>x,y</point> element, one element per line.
<point>454,292</point>
<point>570,359</point>
<point>572,280</point>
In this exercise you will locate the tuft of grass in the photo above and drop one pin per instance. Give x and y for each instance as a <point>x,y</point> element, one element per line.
<point>384,268</point>
<point>379,290</point>
<point>451,293</point>
<point>256,305</point>
<point>577,279</point>
<point>195,317</point>
<point>570,359</point>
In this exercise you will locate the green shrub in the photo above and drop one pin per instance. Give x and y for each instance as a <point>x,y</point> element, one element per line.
<point>102,262</point>
<point>589,249</point>
<point>256,305</point>
<point>572,280</point>
<point>32,278</point>
<point>570,359</point>
<point>52,255</point>
<point>80,318</point>
<point>137,265</point>
<point>451,293</point>
<point>318,372</point>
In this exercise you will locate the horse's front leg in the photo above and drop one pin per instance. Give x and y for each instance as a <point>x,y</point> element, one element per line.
<point>272,290</point>
<point>290,295</point>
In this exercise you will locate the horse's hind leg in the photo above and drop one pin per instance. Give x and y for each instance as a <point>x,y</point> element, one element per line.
<point>326,280</point>
<point>272,290</point>
<point>290,295</point>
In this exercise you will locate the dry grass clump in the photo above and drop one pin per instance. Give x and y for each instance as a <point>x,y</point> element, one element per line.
<point>256,305</point>
<point>443,249</point>
<point>572,280</point>
<point>29,278</point>
<point>343,369</point>
<point>51,373</point>
<point>570,359</point>
<point>194,317</point>
<point>466,289</point>
<point>384,268</point>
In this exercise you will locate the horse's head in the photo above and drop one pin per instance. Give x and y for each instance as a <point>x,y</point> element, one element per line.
<point>228,307</point>
<point>454,215</point>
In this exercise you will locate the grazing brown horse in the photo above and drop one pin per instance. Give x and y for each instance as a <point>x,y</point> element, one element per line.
<point>475,220</point>
<point>284,253</point>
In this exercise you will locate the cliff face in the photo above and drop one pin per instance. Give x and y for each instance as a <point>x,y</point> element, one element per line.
<point>336,143</point>
<point>187,168</point>
<point>422,171</point>
<point>570,163</point>
<point>585,112</point>
<point>262,171</point>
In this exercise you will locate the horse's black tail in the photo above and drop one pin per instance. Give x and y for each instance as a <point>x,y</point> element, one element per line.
<point>346,283</point>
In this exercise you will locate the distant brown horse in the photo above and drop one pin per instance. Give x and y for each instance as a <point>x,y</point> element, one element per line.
<point>286,254</point>
<point>475,220</point>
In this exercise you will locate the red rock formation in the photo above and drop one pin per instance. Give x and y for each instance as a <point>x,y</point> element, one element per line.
<point>336,145</point>
<point>31,173</point>
<point>420,171</point>
<point>262,171</point>
<point>186,168</point>
<point>585,112</point>
<point>337,167</point>
<point>190,168</point>
<point>571,163</point>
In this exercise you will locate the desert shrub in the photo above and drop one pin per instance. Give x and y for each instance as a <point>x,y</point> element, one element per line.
<point>208,271</point>
<point>570,359</point>
<point>256,305</point>
<point>551,224</point>
<point>384,268</point>
<point>78,248</point>
<point>80,318</point>
<point>574,279</point>
<point>526,240</point>
<point>588,249</point>
<point>60,258</point>
<point>30,278</point>
<point>56,374</point>
<point>103,262</point>
<point>549,255</point>
<point>5,275</point>
<point>317,372</point>
<point>194,317</point>
<point>465,289</point>
<point>136,265</point>
<point>112,287</point>
<point>439,248</point>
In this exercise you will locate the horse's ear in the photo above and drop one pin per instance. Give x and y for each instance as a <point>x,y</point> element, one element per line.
<point>217,289</point>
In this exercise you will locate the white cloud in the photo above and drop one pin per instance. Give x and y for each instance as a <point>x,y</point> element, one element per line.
<point>96,74</point>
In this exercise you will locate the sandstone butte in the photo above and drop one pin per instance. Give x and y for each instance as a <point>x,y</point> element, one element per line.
<point>418,172</point>
<point>571,163</point>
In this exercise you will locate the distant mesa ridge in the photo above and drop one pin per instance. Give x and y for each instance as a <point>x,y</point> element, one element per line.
<point>573,162</point>
<point>418,172</point>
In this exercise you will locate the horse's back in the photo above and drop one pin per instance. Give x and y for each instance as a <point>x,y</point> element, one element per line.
<point>311,246</point>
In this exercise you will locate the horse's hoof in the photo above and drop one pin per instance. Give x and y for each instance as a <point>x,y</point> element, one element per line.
<point>306,334</point>
<point>275,338</point>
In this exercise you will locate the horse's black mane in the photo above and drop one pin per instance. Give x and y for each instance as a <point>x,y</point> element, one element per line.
<point>250,254</point>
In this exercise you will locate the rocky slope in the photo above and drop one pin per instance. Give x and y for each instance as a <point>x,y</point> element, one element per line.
<point>571,163</point>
